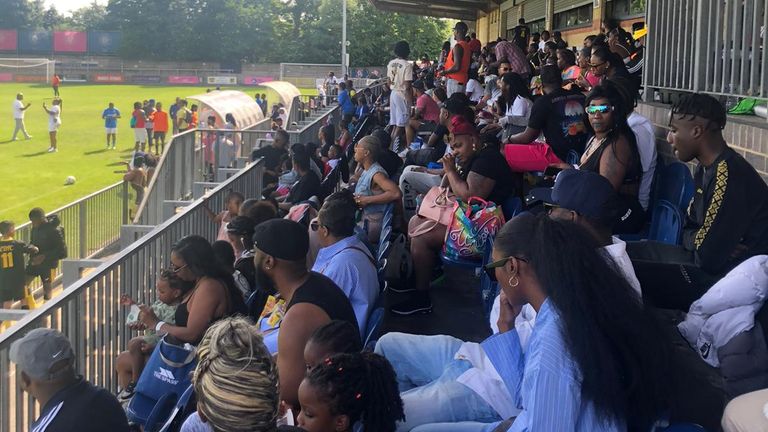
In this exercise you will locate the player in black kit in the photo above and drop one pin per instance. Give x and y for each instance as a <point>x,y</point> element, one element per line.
<point>12,265</point>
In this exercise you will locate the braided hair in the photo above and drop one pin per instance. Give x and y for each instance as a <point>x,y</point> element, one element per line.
<point>236,379</point>
<point>700,105</point>
<point>361,386</point>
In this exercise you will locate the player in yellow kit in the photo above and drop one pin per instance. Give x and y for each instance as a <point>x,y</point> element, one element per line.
<point>12,264</point>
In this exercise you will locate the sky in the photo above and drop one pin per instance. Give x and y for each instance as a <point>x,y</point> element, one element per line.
<point>67,6</point>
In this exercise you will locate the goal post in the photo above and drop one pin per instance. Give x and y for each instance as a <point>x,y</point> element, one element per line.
<point>307,75</point>
<point>27,70</point>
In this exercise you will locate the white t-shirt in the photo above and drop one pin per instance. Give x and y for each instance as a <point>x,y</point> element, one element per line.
<point>474,87</point>
<point>646,146</point>
<point>53,118</point>
<point>399,71</point>
<point>518,113</point>
<point>542,43</point>
<point>18,109</point>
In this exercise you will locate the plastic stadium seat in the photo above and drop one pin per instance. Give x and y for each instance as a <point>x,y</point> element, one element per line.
<point>488,289</point>
<point>180,411</point>
<point>372,328</point>
<point>680,427</point>
<point>329,183</point>
<point>666,223</point>
<point>573,157</point>
<point>512,207</point>
<point>676,185</point>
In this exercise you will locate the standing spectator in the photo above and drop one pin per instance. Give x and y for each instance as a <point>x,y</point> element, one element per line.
<point>11,265</point>
<point>161,128</point>
<point>258,100</point>
<point>557,38</point>
<point>474,44</point>
<point>54,122</point>
<point>400,76</point>
<point>48,238</point>
<point>544,39</point>
<point>138,123</point>
<point>350,88</point>
<point>457,64</point>
<point>345,103</point>
<point>55,82</point>
<point>110,116</point>
<point>273,155</point>
<point>425,115</point>
<point>173,111</point>
<point>183,117</point>
<point>521,35</point>
<point>194,119</point>
<point>264,104</point>
<point>68,402</point>
<point>149,125</point>
<point>507,52</point>
<point>18,116</point>
<point>330,84</point>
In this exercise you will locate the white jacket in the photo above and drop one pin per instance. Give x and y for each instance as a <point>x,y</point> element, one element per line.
<point>727,309</point>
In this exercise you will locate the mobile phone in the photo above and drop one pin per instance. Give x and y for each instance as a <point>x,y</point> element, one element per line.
<point>552,171</point>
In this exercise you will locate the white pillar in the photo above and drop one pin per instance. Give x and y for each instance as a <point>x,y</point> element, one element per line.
<point>343,37</point>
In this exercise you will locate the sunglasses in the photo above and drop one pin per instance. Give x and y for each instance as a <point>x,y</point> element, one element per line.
<point>175,269</point>
<point>595,109</point>
<point>595,66</point>
<point>314,225</point>
<point>490,269</point>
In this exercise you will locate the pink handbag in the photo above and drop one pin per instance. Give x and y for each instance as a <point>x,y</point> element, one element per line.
<point>536,156</point>
<point>436,208</point>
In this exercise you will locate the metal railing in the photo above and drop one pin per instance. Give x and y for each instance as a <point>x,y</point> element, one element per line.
<point>90,224</point>
<point>707,46</point>
<point>88,312</point>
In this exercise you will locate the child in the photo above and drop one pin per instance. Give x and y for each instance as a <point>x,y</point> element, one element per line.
<point>336,337</point>
<point>139,123</point>
<point>170,291</point>
<point>350,388</point>
<point>334,156</point>
<point>234,200</point>
<point>12,265</point>
<point>54,122</point>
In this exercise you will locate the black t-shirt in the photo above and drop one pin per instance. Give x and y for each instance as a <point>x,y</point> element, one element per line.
<point>729,207</point>
<point>272,156</point>
<point>491,164</point>
<point>520,36</point>
<point>47,239</point>
<point>560,116</point>
<point>440,132</point>
<point>307,187</point>
<point>12,269</point>
<point>82,407</point>
<point>325,294</point>
<point>391,162</point>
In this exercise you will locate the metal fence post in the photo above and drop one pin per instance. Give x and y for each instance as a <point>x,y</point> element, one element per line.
<point>83,234</point>
<point>124,210</point>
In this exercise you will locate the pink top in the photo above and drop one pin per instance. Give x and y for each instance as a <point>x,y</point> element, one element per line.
<point>428,108</point>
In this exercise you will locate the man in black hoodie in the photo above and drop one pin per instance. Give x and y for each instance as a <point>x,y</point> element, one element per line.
<point>48,239</point>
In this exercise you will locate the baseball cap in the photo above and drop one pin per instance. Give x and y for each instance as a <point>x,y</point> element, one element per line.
<point>240,225</point>
<point>282,238</point>
<point>418,85</point>
<point>585,192</point>
<point>39,350</point>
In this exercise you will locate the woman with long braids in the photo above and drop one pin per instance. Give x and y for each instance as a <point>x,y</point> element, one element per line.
<point>596,360</point>
<point>347,389</point>
<point>513,107</point>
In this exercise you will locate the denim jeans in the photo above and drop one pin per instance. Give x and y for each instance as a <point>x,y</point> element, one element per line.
<point>426,375</point>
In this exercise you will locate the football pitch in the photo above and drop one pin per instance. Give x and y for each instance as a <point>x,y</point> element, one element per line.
<point>31,177</point>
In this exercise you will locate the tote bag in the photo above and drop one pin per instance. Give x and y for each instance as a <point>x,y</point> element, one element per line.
<point>473,223</point>
<point>437,208</point>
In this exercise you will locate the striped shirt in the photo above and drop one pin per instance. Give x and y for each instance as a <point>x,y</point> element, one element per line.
<point>545,382</point>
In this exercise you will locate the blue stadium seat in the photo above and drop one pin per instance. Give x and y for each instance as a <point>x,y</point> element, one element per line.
<point>676,185</point>
<point>330,183</point>
<point>180,411</point>
<point>512,207</point>
<point>372,328</point>
<point>389,215</point>
<point>680,427</point>
<point>666,223</point>
<point>488,289</point>
<point>573,157</point>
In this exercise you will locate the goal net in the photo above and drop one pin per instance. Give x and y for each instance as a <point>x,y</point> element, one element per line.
<point>307,75</point>
<point>30,70</point>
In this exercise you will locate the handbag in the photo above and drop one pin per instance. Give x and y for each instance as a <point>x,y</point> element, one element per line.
<point>536,156</point>
<point>473,223</point>
<point>437,207</point>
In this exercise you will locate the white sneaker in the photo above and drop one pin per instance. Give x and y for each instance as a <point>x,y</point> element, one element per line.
<point>29,138</point>
<point>51,149</point>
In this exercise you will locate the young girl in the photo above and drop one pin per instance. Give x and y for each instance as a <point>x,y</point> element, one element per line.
<point>170,290</point>
<point>54,121</point>
<point>350,388</point>
<point>336,337</point>
<point>334,156</point>
<point>234,200</point>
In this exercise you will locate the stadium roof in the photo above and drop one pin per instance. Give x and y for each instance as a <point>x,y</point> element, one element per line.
<point>464,10</point>
<point>243,108</point>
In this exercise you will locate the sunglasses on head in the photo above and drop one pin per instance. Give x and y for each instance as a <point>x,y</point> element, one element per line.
<point>490,269</point>
<point>602,109</point>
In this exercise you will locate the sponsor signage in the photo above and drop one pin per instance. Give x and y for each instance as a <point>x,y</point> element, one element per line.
<point>256,80</point>
<point>229,80</point>
<point>183,79</point>
<point>70,41</point>
<point>30,78</point>
<point>146,79</point>
<point>108,78</point>
<point>6,77</point>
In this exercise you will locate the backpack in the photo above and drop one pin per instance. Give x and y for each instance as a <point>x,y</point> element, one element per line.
<point>55,222</point>
<point>188,116</point>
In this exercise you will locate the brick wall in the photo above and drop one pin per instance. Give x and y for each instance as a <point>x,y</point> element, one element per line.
<point>746,134</point>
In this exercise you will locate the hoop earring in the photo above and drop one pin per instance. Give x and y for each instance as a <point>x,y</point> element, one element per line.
<point>517,281</point>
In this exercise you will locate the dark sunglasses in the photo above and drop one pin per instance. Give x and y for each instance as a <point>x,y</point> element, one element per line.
<point>595,66</point>
<point>490,269</point>
<point>314,225</point>
<point>595,109</point>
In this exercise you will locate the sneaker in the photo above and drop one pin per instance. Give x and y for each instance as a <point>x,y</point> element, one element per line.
<point>419,304</point>
<point>29,138</point>
<point>51,149</point>
<point>126,394</point>
<point>398,289</point>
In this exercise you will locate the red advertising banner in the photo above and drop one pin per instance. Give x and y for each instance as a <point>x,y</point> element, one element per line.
<point>256,80</point>
<point>183,79</point>
<point>108,78</point>
<point>9,39</point>
<point>6,77</point>
<point>31,78</point>
<point>70,41</point>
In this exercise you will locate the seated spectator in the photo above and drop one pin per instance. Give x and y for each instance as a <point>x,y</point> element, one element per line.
<point>356,391</point>
<point>389,160</point>
<point>426,114</point>
<point>436,146</point>
<point>235,381</point>
<point>273,156</point>
<point>327,137</point>
<point>513,107</point>
<point>314,154</point>
<point>381,106</point>
<point>587,80</point>
<point>45,364</point>
<point>557,38</point>
<point>233,202</point>
<point>343,258</point>
<point>240,231</point>
<point>129,365</point>
<point>603,367</point>
<point>344,136</point>
<point>727,220</point>
<point>374,190</point>
<point>213,297</point>
<point>474,90</point>
<point>566,62</point>
<point>258,210</point>
<point>334,156</point>
<point>308,184</point>
<point>605,64</point>
<point>225,255</point>
<point>474,168</point>
<point>361,110</point>
<point>746,413</point>
<point>336,337</point>
<point>312,300</point>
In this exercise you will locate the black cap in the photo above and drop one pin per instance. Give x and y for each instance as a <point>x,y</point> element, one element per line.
<point>282,238</point>
<point>418,85</point>
<point>241,225</point>
<point>585,192</point>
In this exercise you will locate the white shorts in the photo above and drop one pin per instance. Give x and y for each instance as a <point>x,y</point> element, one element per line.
<point>53,128</point>
<point>398,110</point>
<point>140,134</point>
<point>111,130</point>
<point>452,86</point>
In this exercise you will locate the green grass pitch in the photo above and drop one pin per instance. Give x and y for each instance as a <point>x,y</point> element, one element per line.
<point>31,177</point>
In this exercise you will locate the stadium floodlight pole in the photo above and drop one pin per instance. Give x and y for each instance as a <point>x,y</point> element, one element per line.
<point>343,38</point>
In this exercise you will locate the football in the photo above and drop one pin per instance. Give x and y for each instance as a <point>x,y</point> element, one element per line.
<point>70,180</point>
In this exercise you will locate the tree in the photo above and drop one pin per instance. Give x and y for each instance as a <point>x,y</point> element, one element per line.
<point>19,14</point>
<point>52,19</point>
<point>91,17</point>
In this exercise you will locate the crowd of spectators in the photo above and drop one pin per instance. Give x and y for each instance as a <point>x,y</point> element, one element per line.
<point>585,323</point>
